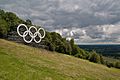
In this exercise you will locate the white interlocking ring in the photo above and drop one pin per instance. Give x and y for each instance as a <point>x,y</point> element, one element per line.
<point>32,35</point>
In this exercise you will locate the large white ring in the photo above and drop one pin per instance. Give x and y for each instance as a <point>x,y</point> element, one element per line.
<point>32,35</point>
<point>19,27</point>
<point>39,36</point>
<point>26,35</point>
<point>43,32</point>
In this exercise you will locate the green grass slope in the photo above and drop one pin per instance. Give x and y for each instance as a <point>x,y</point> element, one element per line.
<point>21,62</point>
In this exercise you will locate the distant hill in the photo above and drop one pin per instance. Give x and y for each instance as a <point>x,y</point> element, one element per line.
<point>21,62</point>
<point>110,50</point>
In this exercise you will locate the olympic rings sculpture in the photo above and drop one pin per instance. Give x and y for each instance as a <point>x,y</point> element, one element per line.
<point>32,35</point>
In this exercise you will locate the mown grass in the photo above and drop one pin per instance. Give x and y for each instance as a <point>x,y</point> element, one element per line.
<point>21,62</point>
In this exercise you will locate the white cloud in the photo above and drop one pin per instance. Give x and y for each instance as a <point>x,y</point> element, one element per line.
<point>91,34</point>
<point>90,17</point>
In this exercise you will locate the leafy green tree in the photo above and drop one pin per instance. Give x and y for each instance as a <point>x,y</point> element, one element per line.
<point>79,55</point>
<point>117,65</point>
<point>11,18</point>
<point>87,55</point>
<point>109,64</point>
<point>2,14</point>
<point>94,57</point>
<point>72,43</point>
<point>51,47</point>
<point>28,22</point>
<point>8,22</point>
<point>3,28</point>
<point>75,50</point>
<point>68,48</point>
<point>73,47</point>
<point>102,60</point>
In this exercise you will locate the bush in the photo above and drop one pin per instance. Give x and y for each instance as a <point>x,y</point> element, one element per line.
<point>94,57</point>
<point>109,64</point>
<point>102,60</point>
<point>3,28</point>
<point>51,47</point>
<point>117,65</point>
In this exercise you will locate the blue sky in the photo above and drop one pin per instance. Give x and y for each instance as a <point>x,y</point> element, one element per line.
<point>88,21</point>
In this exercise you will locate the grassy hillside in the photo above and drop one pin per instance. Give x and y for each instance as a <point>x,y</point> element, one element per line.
<point>21,62</point>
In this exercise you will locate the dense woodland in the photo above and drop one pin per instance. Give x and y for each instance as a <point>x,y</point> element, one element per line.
<point>108,50</point>
<point>52,41</point>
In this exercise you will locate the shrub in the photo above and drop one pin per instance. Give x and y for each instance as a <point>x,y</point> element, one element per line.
<point>102,60</point>
<point>117,65</point>
<point>94,57</point>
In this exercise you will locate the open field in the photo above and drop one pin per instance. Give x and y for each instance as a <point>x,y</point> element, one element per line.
<point>21,62</point>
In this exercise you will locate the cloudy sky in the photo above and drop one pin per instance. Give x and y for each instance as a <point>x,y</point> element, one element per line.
<point>88,21</point>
